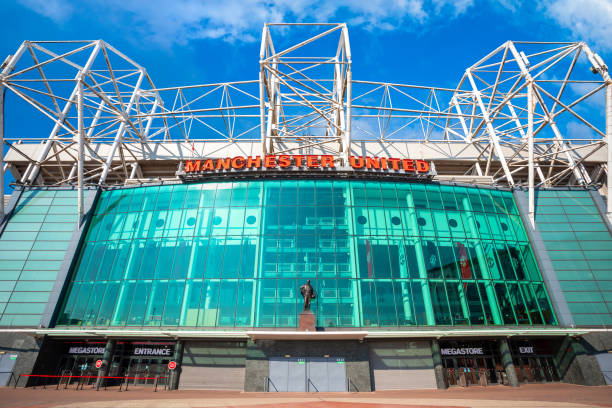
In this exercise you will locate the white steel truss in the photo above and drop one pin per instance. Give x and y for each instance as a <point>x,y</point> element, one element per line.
<point>535,111</point>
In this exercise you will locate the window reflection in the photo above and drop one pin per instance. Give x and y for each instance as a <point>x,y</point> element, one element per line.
<point>234,255</point>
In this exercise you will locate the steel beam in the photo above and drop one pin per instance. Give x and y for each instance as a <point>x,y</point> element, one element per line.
<point>609,146</point>
<point>531,175</point>
<point>2,95</point>
<point>33,173</point>
<point>81,150</point>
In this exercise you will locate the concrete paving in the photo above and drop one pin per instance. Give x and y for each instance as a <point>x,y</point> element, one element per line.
<point>532,396</point>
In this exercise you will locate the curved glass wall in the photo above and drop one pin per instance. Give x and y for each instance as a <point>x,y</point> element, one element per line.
<point>233,254</point>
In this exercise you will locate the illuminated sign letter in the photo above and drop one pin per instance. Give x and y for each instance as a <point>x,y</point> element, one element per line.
<point>372,163</point>
<point>225,163</point>
<point>408,165</point>
<point>356,162</point>
<point>253,162</point>
<point>284,161</point>
<point>394,163</point>
<point>270,161</point>
<point>192,165</point>
<point>327,161</point>
<point>238,162</point>
<point>312,161</point>
<point>298,160</point>
<point>208,165</point>
<point>422,166</point>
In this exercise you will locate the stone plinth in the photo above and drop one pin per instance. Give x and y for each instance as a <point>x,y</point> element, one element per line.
<point>307,321</point>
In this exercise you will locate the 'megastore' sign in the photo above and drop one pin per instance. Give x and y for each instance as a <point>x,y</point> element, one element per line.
<point>451,351</point>
<point>409,166</point>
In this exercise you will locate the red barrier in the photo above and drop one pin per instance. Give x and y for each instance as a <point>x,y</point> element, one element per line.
<point>125,380</point>
<point>87,376</point>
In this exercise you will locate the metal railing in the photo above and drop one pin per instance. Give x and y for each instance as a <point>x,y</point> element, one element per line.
<point>83,380</point>
<point>11,377</point>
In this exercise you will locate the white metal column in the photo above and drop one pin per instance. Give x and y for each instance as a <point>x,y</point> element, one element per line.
<point>2,90</point>
<point>609,144</point>
<point>80,141</point>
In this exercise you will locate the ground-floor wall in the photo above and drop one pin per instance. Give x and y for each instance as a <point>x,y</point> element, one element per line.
<point>18,355</point>
<point>214,365</point>
<point>586,360</point>
<point>401,365</point>
<point>339,365</point>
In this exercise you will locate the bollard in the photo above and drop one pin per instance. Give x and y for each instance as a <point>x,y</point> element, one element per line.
<point>155,383</point>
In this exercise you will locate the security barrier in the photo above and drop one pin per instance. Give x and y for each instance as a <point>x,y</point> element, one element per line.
<point>83,380</point>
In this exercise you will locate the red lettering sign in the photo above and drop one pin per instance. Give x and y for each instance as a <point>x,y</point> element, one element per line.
<point>308,161</point>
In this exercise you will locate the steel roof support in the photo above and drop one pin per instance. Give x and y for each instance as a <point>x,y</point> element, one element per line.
<point>81,141</point>
<point>6,70</point>
<point>33,173</point>
<point>530,176</point>
<point>346,148</point>
<point>2,95</point>
<point>490,129</point>
<point>303,101</point>
<point>119,136</point>
<point>598,66</point>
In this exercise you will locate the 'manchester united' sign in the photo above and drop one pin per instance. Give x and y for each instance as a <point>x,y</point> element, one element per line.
<point>409,166</point>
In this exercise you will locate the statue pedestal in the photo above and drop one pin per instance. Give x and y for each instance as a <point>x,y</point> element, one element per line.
<point>307,321</point>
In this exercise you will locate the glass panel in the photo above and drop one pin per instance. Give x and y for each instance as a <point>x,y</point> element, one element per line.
<point>233,254</point>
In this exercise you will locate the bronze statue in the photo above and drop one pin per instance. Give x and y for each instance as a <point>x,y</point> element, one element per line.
<point>308,293</point>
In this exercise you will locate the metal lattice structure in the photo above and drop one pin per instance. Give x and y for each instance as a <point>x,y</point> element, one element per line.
<point>534,113</point>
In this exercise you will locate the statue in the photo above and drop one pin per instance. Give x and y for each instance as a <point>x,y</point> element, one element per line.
<point>308,293</point>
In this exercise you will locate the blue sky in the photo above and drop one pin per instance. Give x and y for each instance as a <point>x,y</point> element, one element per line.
<point>183,42</point>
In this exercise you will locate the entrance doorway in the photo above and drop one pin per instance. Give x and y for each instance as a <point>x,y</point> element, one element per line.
<point>141,362</point>
<point>471,363</point>
<point>467,371</point>
<point>306,374</point>
<point>533,361</point>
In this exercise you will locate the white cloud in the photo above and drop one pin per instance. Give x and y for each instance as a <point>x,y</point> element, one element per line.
<point>578,130</point>
<point>57,10</point>
<point>597,100</point>
<point>588,20</point>
<point>179,21</point>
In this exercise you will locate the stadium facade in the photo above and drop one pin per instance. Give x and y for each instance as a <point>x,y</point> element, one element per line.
<point>454,237</point>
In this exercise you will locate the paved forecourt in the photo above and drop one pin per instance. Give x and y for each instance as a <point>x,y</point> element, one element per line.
<point>532,395</point>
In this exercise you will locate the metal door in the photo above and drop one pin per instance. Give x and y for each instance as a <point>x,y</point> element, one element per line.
<point>317,374</point>
<point>336,374</point>
<point>296,380</point>
<point>312,374</point>
<point>326,374</point>
<point>287,374</point>
<point>7,362</point>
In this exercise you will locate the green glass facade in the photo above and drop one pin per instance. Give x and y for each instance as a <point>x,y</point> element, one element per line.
<point>580,247</point>
<point>32,248</point>
<point>233,254</point>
